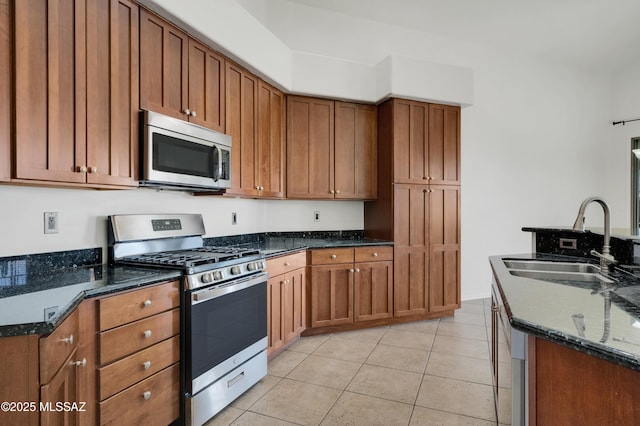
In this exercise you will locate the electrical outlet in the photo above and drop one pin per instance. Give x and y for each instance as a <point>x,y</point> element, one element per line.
<point>50,222</point>
<point>316,216</point>
<point>234,218</point>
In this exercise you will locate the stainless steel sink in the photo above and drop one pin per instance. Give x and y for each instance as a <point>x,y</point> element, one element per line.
<point>556,271</point>
<point>562,276</point>
<point>541,265</point>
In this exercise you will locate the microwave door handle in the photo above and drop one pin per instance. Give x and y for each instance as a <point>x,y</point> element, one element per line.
<point>218,171</point>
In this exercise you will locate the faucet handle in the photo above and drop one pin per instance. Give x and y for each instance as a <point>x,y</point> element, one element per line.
<point>606,259</point>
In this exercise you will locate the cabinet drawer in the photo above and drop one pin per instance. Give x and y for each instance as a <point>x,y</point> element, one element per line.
<point>284,264</point>
<point>122,341</point>
<point>374,254</point>
<point>331,256</point>
<point>154,401</point>
<point>57,347</point>
<point>134,305</point>
<point>145,363</point>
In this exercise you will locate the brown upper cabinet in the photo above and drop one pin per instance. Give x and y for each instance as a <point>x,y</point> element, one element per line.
<point>331,149</point>
<point>76,91</point>
<point>426,143</point>
<point>5,91</point>
<point>180,77</point>
<point>255,122</point>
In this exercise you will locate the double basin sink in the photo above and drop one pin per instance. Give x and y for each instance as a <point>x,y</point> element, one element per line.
<point>557,271</point>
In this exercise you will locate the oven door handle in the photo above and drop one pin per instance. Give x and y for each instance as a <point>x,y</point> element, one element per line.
<point>209,293</point>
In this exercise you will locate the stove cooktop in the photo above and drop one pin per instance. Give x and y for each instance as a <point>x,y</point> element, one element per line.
<point>196,257</point>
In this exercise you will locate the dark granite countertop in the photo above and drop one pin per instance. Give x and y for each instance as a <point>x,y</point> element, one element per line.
<point>35,303</point>
<point>273,244</point>
<point>278,246</point>
<point>546,309</point>
<point>38,291</point>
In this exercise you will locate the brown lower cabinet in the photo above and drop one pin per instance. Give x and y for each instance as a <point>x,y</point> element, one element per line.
<point>286,297</point>
<point>138,356</point>
<point>571,387</point>
<point>350,285</point>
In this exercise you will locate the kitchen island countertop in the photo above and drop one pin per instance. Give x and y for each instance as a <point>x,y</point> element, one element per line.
<point>609,312</point>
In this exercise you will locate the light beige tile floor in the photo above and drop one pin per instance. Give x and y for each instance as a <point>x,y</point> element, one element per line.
<point>433,372</point>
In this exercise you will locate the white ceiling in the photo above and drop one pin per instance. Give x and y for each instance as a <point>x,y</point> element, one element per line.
<point>603,35</point>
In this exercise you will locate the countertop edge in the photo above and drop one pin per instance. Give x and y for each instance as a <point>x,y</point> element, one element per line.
<point>604,352</point>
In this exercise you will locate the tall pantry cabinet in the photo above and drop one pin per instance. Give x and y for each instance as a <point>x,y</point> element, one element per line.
<point>418,205</point>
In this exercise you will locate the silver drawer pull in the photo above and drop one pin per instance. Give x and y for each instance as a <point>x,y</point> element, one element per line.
<point>68,340</point>
<point>147,333</point>
<point>333,256</point>
<point>235,380</point>
<point>146,395</point>
<point>82,363</point>
<point>286,264</point>
<point>357,269</point>
<point>146,365</point>
<point>147,303</point>
<point>375,254</point>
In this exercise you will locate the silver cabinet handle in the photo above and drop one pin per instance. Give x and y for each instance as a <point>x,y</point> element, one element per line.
<point>193,113</point>
<point>287,263</point>
<point>82,363</point>
<point>93,169</point>
<point>147,334</point>
<point>375,254</point>
<point>68,340</point>
<point>146,395</point>
<point>337,191</point>
<point>333,256</point>
<point>357,269</point>
<point>82,169</point>
<point>146,365</point>
<point>146,303</point>
<point>351,270</point>
<point>186,111</point>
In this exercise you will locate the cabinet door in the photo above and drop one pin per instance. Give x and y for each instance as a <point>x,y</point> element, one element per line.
<point>355,151</point>
<point>112,92</point>
<point>411,249</point>
<point>163,67</point>
<point>331,295</point>
<point>410,281</point>
<point>241,110</point>
<point>206,87</point>
<point>50,90</point>
<point>444,247</point>
<point>444,144</point>
<point>310,156</point>
<point>410,141</point>
<point>373,288</point>
<point>293,306</point>
<point>5,90</point>
<point>270,141</point>
<point>274,314</point>
<point>63,387</point>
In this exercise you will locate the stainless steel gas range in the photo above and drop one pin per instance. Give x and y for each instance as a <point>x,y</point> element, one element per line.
<point>224,305</point>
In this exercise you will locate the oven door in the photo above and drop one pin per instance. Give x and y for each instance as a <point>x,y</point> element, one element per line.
<point>226,325</point>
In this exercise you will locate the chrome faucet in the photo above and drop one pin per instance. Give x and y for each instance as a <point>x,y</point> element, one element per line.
<point>606,259</point>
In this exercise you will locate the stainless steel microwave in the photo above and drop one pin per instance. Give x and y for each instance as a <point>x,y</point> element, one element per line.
<point>183,156</point>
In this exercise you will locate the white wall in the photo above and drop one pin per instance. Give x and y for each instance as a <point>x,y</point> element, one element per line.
<point>83,213</point>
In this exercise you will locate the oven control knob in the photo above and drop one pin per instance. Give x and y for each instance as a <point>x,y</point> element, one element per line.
<point>217,275</point>
<point>235,270</point>
<point>207,278</point>
<point>252,266</point>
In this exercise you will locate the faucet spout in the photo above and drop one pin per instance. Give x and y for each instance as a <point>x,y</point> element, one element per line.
<point>606,258</point>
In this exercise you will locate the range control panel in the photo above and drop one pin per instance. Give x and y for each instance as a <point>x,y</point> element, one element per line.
<point>166,224</point>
